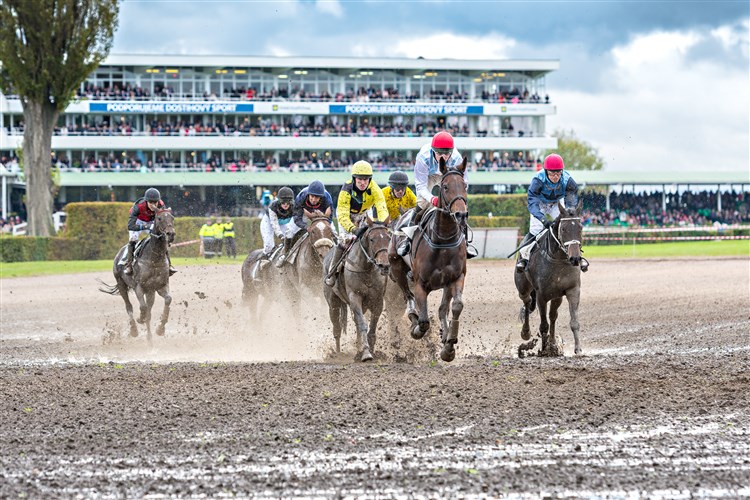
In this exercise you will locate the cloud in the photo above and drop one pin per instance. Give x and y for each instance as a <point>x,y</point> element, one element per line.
<point>332,7</point>
<point>452,46</point>
<point>662,109</point>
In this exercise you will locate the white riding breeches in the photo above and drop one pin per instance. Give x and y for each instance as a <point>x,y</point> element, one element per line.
<point>432,181</point>
<point>266,231</point>
<point>135,234</point>
<point>536,226</point>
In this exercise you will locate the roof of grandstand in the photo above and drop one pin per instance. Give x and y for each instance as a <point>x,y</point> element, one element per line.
<point>282,177</point>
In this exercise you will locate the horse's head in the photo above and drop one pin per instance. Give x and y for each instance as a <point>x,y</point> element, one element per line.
<point>453,192</point>
<point>321,232</point>
<point>569,231</point>
<point>164,224</point>
<point>374,239</point>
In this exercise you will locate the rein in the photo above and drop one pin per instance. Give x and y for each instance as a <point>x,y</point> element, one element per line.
<point>446,209</point>
<point>370,258</point>
<point>562,245</point>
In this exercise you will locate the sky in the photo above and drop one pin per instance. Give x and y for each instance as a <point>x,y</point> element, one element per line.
<point>651,85</point>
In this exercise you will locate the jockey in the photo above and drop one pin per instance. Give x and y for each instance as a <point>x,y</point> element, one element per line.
<point>398,197</point>
<point>547,188</point>
<point>313,197</point>
<point>427,175</point>
<point>356,197</point>
<point>141,219</point>
<point>278,221</point>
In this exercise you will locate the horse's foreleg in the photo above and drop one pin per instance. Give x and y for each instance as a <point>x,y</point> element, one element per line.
<point>543,324</point>
<point>355,302</point>
<point>123,288</point>
<point>375,311</point>
<point>150,296</point>
<point>141,296</point>
<point>574,296</point>
<point>554,348</point>
<point>448,352</point>
<point>334,313</point>
<point>422,326</point>
<point>164,293</point>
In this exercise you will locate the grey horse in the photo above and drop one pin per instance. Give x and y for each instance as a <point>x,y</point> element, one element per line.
<point>150,274</point>
<point>361,285</point>
<point>553,272</point>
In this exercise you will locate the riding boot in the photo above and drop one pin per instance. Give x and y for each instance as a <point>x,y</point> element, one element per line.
<point>523,262</point>
<point>404,248</point>
<point>471,250</point>
<point>129,264</point>
<point>172,270</point>
<point>284,252</point>
<point>333,270</point>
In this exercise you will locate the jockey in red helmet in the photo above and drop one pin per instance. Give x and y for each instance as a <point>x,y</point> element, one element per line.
<point>547,187</point>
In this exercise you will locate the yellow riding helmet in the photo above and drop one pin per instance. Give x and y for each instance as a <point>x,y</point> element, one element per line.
<point>362,169</point>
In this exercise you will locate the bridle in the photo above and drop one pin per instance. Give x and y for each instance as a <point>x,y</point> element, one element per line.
<point>371,258</point>
<point>323,240</point>
<point>446,207</point>
<point>564,245</point>
<point>160,234</point>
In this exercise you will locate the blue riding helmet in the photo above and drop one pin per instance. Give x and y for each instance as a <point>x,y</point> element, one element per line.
<point>316,188</point>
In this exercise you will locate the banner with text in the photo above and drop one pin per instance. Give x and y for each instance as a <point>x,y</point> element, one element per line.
<point>169,107</point>
<point>405,109</point>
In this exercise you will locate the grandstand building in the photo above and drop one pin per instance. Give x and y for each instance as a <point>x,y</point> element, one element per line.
<point>211,132</point>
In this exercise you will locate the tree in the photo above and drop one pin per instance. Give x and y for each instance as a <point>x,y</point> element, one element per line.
<point>578,154</point>
<point>47,48</point>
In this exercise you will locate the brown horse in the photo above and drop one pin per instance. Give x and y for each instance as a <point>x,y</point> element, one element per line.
<point>360,285</point>
<point>552,273</point>
<point>150,274</point>
<point>258,279</point>
<point>438,260</point>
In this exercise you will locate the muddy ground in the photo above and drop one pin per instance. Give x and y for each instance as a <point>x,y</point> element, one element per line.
<point>226,405</point>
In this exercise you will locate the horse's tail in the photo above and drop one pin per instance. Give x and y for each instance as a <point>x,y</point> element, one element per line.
<point>110,289</point>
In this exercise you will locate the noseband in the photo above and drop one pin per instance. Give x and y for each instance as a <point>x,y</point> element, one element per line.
<point>160,234</point>
<point>446,207</point>
<point>558,237</point>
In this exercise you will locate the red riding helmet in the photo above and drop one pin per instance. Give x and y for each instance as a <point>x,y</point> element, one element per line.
<point>442,140</point>
<point>554,162</point>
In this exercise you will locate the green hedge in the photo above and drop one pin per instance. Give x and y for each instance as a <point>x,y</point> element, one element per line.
<point>246,230</point>
<point>499,205</point>
<point>30,248</point>
<point>101,227</point>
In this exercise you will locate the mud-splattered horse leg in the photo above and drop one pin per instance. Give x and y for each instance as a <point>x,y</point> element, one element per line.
<point>448,353</point>
<point>355,303</point>
<point>554,346</point>
<point>574,296</point>
<point>164,293</point>
<point>150,297</point>
<point>375,313</point>
<point>123,289</point>
<point>337,311</point>
<point>422,325</point>
<point>543,325</point>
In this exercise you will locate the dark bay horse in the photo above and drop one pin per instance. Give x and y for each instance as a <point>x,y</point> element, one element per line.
<point>360,285</point>
<point>553,272</point>
<point>150,274</point>
<point>438,260</point>
<point>260,282</point>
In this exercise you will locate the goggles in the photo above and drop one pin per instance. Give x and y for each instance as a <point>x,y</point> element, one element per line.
<point>443,151</point>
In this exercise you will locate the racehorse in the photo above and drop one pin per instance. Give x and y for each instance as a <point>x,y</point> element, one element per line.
<point>438,260</point>
<point>305,265</point>
<point>150,274</point>
<point>258,282</point>
<point>360,285</point>
<point>552,273</point>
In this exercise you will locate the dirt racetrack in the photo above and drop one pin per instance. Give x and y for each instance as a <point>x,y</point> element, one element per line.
<point>227,406</point>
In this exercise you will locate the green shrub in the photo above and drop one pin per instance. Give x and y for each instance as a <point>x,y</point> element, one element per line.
<point>102,227</point>
<point>499,205</point>
<point>478,221</point>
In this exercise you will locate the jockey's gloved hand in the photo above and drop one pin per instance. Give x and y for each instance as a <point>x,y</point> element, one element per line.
<point>434,201</point>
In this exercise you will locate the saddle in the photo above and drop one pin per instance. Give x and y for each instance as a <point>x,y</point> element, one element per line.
<point>139,246</point>
<point>261,264</point>
<point>292,257</point>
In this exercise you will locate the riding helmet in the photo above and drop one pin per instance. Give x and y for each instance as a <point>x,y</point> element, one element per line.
<point>398,179</point>
<point>554,162</point>
<point>316,188</point>
<point>152,194</point>
<point>362,169</point>
<point>442,140</point>
<point>286,194</point>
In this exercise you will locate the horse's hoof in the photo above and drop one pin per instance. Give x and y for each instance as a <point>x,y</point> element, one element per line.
<point>366,356</point>
<point>160,332</point>
<point>133,332</point>
<point>424,327</point>
<point>448,353</point>
<point>416,333</point>
<point>525,334</point>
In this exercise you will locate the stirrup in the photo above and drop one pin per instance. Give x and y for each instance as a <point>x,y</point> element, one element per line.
<point>128,270</point>
<point>404,248</point>
<point>471,252</point>
<point>281,261</point>
<point>330,280</point>
<point>172,270</point>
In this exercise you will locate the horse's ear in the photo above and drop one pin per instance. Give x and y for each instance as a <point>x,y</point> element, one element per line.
<point>561,206</point>
<point>579,207</point>
<point>308,214</point>
<point>387,220</point>
<point>462,167</point>
<point>368,220</point>
<point>442,165</point>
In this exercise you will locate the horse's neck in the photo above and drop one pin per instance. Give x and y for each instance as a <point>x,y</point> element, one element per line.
<point>155,246</point>
<point>549,243</point>
<point>357,256</point>
<point>444,227</point>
